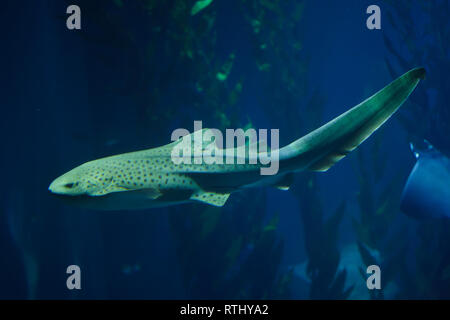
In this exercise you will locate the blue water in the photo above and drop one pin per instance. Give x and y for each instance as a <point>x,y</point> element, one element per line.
<point>124,83</point>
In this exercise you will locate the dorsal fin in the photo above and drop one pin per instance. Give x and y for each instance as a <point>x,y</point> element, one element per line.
<point>164,150</point>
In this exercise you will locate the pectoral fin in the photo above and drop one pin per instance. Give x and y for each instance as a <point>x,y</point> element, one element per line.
<point>151,193</point>
<point>212,198</point>
<point>110,188</point>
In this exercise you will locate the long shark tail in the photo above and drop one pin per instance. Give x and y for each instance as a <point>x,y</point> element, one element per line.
<point>323,147</point>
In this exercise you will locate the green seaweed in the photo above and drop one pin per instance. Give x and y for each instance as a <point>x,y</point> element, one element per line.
<point>427,277</point>
<point>273,24</point>
<point>199,6</point>
<point>220,263</point>
<point>379,242</point>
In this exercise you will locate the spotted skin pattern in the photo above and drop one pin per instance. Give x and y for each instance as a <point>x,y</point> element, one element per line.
<point>150,178</point>
<point>153,173</point>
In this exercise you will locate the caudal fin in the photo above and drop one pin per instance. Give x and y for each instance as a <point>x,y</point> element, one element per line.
<point>323,147</point>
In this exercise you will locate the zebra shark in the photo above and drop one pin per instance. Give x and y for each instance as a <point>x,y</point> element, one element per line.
<point>150,178</point>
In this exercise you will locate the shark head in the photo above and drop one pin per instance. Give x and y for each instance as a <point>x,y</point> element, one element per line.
<point>86,179</point>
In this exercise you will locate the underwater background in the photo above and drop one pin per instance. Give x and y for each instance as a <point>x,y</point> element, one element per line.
<point>139,69</point>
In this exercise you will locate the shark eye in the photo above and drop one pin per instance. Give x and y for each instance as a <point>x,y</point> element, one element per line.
<point>68,185</point>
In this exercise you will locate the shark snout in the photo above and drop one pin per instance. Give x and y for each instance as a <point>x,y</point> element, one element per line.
<point>57,186</point>
<point>64,185</point>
